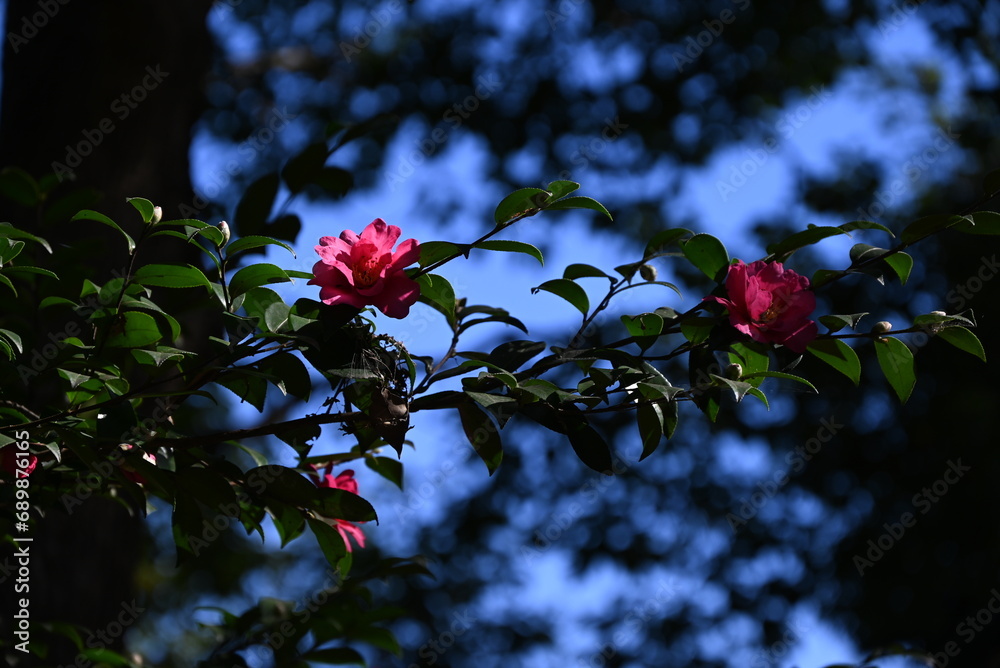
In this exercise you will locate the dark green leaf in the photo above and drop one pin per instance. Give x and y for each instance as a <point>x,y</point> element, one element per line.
<point>986,222</point>
<point>437,292</point>
<point>143,206</point>
<point>483,434</point>
<point>839,355</point>
<point>170,276</point>
<point>708,254</point>
<point>589,446</point>
<point>512,354</point>
<point>560,189</point>
<point>579,270</point>
<point>651,421</point>
<point>901,263</point>
<point>388,468</point>
<point>963,339</point>
<point>865,225</point>
<point>665,238</point>
<point>247,385</point>
<point>301,168</point>
<point>267,306</point>
<point>87,214</point>
<point>896,361</point>
<point>511,247</point>
<point>780,374</point>
<point>579,203</point>
<point>9,231</point>
<point>837,322</point>
<point>254,276</point>
<point>568,290</point>
<point>519,202</point>
<point>133,330</point>
<point>801,239</point>
<point>435,251</point>
<point>645,327</point>
<point>290,373</point>
<point>930,225</point>
<point>255,241</point>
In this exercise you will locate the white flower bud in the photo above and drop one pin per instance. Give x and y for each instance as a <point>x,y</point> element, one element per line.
<point>938,313</point>
<point>882,327</point>
<point>648,272</point>
<point>734,371</point>
<point>224,228</point>
<point>157,215</point>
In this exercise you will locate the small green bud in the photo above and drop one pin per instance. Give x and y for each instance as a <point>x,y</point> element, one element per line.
<point>648,272</point>
<point>882,327</point>
<point>157,215</point>
<point>734,371</point>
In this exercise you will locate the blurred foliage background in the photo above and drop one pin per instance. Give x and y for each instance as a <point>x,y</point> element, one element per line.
<point>651,106</point>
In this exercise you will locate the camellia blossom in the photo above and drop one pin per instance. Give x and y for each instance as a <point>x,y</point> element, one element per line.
<point>770,304</point>
<point>129,471</point>
<point>9,462</point>
<point>345,481</point>
<point>362,270</point>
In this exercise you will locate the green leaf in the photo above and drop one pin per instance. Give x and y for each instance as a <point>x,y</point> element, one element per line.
<point>963,339</point>
<point>290,374</point>
<point>519,202</point>
<point>579,203</point>
<point>158,357</point>
<point>839,355</point>
<point>568,290</point>
<point>300,169</point>
<point>645,327</point>
<point>330,541</point>
<point>483,434</point>
<point>901,263</point>
<point>986,222</point>
<point>248,385</point>
<point>804,238</point>
<point>38,271</point>
<point>512,354</point>
<point>652,424</point>
<point>255,241</point>
<point>697,329</point>
<point>738,387</point>
<point>708,254</point>
<point>511,247</point>
<point>8,230</point>
<point>133,329</point>
<point>267,306</point>
<point>579,270</point>
<point>560,189</point>
<point>388,468</point>
<point>929,225</point>
<point>9,249</point>
<point>755,392</point>
<point>780,374</point>
<point>87,214</point>
<point>865,225</point>
<point>170,276</point>
<point>254,276</point>
<point>837,322</point>
<point>437,292</point>
<point>589,446</point>
<point>143,206</point>
<point>435,251</point>
<point>896,361</point>
<point>665,238</point>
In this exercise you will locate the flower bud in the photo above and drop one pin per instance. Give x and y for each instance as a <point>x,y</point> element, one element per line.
<point>882,327</point>
<point>224,228</point>
<point>648,272</point>
<point>157,215</point>
<point>734,371</point>
<point>938,313</point>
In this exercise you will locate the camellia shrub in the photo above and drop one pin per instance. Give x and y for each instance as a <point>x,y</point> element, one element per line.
<point>112,416</point>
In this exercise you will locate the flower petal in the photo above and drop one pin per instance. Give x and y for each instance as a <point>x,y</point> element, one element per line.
<point>399,293</point>
<point>380,234</point>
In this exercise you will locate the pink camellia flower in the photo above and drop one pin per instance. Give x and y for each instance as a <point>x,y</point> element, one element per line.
<point>362,270</point>
<point>129,471</point>
<point>345,481</point>
<point>9,462</point>
<point>770,304</point>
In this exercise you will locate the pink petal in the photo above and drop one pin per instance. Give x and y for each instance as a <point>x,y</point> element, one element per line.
<point>382,235</point>
<point>406,254</point>
<point>350,529</point>
<point>399,293</point>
